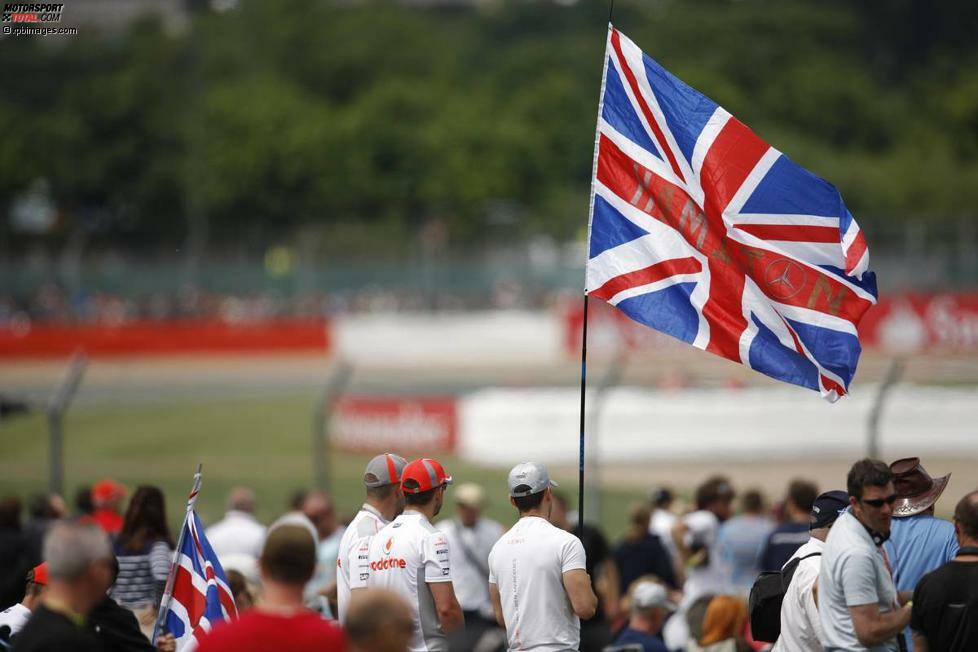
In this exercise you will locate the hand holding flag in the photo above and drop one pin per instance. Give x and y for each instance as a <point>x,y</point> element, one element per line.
<point>197,593</point>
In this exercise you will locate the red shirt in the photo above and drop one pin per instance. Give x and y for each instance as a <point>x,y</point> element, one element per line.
<point>109,521</point>
<point>259,631</point>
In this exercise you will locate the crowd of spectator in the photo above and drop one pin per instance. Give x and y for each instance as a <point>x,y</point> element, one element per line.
<point>52,303</point>
<point>865,565</point>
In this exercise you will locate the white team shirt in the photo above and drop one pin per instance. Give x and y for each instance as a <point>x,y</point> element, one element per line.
<point>404,557</point>
<point>366,523</point>
<point>238,533</point>
<point>471,547</point>
<point>660,524</point>
<point>801,630</point>
<point>15,617</point>
<point>708,578</point>
<point>527,565</point>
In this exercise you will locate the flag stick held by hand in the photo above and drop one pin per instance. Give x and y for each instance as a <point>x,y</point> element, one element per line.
<point>168,590</point>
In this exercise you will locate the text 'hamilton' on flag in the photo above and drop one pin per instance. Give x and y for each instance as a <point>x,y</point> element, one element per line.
<point>701,230</point>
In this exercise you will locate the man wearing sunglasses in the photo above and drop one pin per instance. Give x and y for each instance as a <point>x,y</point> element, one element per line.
<point>858,603</point>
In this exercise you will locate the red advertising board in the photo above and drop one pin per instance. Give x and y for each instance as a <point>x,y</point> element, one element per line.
<point>174,337</point>
<point>402,424</point>
<point>917,322</point>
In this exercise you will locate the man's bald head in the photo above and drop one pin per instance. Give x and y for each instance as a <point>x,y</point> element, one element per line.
<point>966,517</point>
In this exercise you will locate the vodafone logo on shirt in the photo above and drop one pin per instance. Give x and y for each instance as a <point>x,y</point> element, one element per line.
<point>389,563</point>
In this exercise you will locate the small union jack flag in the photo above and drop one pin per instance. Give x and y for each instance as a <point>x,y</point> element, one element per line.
<point>200,595</point>
<point>701,230</point>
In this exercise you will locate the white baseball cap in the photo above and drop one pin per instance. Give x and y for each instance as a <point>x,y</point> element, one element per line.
<point>647,595</point>
<point>528,478</point>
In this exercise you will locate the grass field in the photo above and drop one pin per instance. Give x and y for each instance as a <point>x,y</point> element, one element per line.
<point>263,444</point>
<point>248,420</point>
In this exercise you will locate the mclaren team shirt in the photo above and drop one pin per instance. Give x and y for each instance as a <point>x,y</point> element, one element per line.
<point>367,523</point>
<point>527,565</point>
<point>405,557</point>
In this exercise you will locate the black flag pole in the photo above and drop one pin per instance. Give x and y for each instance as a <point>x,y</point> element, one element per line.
<point>594,169</point>
<point>168,589</point>
<point>580,468</point>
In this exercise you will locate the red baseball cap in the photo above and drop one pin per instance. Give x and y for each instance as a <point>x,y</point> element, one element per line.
<point>41,574</point>
<point>423,474</point>
<point>105,490</point>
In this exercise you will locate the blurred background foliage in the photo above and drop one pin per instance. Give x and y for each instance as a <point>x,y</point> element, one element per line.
<point>375,126</point>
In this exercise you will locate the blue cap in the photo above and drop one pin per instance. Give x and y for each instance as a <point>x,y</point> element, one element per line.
<point>828,507</point>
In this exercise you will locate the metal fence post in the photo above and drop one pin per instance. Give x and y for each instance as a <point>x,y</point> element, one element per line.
<point>335,388</point>
<point>57,407</point>
<point>893,374</point>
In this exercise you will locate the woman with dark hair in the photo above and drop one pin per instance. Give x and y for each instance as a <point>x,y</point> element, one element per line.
<point>14,554</point>
<point>144,550</point>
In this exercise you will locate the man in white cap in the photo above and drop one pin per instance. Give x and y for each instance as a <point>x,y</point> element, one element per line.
<point>538,582</point>
<point>385,501</point>
<point>650,607</point>
<point>471,537</point>
<point>412,559</point>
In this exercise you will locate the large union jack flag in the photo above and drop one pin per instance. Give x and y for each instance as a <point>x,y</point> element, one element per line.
<point>201,596</point>
<point>700,229</point>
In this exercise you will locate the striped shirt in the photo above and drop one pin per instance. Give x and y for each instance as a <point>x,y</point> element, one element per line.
<point>142,575</point>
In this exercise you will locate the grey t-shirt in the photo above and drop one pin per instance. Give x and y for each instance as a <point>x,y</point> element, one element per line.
<point>853,573</point>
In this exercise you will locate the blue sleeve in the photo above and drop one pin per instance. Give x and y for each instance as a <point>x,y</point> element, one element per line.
<point>952,545</point>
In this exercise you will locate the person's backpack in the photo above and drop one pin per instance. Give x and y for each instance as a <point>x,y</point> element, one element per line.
<point>766,597</point>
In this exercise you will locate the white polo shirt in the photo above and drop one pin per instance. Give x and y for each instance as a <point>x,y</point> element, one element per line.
<point>404,557</point>
<point>527,565</point>
<point>853,572</point>
<point>801,630</point>
<point>660,524</point>
<point>366,523</point>
<point>238,533</point>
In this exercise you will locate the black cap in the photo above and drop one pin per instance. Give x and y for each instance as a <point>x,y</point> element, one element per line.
<point>828,507</point>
